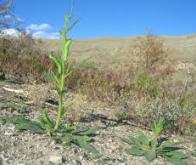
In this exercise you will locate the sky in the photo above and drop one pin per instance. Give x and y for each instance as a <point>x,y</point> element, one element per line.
<point>108,18</point>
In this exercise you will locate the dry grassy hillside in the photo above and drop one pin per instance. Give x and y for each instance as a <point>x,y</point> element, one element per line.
<point>111,50</point>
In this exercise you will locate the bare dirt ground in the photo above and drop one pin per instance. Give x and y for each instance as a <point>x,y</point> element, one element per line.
<point>25,148</point>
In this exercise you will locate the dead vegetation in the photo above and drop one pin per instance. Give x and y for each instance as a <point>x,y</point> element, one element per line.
<point>145,88</point>
<point>22,58</point>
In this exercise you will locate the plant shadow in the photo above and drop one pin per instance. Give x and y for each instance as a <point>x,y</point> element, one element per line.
<point>109,122</point>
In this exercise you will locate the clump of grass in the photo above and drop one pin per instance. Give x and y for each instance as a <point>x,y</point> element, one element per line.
<point>147,86</point>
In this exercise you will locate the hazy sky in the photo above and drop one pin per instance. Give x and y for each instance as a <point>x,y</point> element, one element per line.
<point>109,18</point>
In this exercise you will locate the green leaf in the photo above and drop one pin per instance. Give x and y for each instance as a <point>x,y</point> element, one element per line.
<point>154,143</point>
<point>73,25</point>
<point>66,50</point>
<point>178,162</point>
<point>88,147</point>
<point>29,125</point>
<point>158,127</point>
<point>67,139</point>
<point>22,124</point>
<point>45,122</point>
<point>194,153</point>
<point>136,141</point>
<point>68,72</point>
<point>169,149</point>
<point>86,131</point>
<point>178,158</point>
<point>68,129</point>
<point>142,138</point>
<point>150,155</point>
<point>175,154</point>
<point>135,151</point>
<point>50,76</point>
<point>82,138</point>
<point>56,62</point>
<point>168,144</point>
<point>128,141</point>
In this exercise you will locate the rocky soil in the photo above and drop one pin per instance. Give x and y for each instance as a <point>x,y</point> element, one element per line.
<point>26,148</point>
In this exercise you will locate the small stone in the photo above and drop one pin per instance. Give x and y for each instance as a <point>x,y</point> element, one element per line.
<point>58,147</point>
<point>8,133</point>
<point>11,128</point>
<point>56,159</point>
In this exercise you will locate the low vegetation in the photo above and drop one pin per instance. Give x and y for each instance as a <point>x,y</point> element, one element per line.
<point>22,58</point>
<point>157,146</point>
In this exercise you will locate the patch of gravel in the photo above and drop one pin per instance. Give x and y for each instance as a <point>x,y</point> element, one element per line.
<point>26,148</point>
<point>34,149</point>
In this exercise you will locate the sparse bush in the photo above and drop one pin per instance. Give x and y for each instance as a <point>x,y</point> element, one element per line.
<point>153,66</point>
<point>21,57</point>
<point>177,118</point>
<point>151,52</point>
<point>104,84</point>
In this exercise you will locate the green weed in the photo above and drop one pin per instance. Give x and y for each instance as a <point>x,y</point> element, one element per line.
<point>152,148</point>
<point>65,135</point>
<point>194,153</point>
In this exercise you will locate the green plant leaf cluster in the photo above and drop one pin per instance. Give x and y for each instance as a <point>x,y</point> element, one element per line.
<point>152,148</point>
<point>81,137</point>
<point>66,135</point>
<point>194,153</point>
<point>23,124</point>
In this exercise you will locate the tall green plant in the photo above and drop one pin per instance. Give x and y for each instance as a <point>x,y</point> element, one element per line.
<point>61,74</point>
<point>66,134</point>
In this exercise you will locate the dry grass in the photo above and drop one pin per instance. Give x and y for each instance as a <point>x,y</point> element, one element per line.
<point>156,81</point>
<point>22,58</point>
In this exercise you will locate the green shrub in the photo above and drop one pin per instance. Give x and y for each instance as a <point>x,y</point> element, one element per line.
<point>147,86</point>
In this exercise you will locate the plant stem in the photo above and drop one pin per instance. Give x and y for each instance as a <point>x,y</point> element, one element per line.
<point>60,100</point>
<point>60,108</point>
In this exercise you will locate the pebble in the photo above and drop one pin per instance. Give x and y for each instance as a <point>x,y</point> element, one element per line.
<point>56,159</point>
